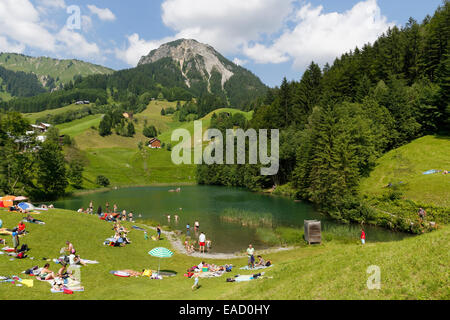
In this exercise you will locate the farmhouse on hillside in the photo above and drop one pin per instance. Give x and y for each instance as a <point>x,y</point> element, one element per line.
<point>40,128</point>
<point>154,144</point>
<point>83,102</point>
<point>128,115</point>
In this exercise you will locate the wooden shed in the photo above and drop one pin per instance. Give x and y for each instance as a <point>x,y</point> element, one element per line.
<point>313,231</point>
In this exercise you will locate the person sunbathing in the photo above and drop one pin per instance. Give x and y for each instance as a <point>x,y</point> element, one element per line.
<point>46,273</point>
<point>14,208</point>
<point>76,260</point>
<point>125,239</point>
<point>133,273</point>
<point>63,273</point>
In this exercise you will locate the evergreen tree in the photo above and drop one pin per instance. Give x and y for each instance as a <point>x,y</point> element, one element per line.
<point>51,171</point>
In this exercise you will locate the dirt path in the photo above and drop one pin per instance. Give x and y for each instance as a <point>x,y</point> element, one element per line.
<point>179,247</point>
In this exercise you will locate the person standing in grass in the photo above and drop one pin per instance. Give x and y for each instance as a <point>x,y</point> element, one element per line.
<point>115,208</point>
<point>195,285</point>
<point>15,240</point>
<point>363,236</point>
<point>251,256</point>
<point>91,207</point>
<point>188,230</point>
<point>202,242</point>
<point>158,231</point>
<point>107,207</point>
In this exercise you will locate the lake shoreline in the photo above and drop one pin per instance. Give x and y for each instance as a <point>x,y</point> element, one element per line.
<point>177,245</point>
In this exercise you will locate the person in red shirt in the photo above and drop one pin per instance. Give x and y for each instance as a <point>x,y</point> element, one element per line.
<point>363,236</point>
<point>21,227</point>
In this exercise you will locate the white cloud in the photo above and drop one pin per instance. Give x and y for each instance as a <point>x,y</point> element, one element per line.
<point>49,6</point>
<point>226,25</point>
<point>267,31</point>
<point>323,36</point>
<point>7,46</point>
<point>60,4</point>
<point>103,14</point>
<point>240,62</point>
<point>72,43</point>
<point>21,28</point>
<point>86,23</point>
<point>137,48</point>
<point>20,22</point>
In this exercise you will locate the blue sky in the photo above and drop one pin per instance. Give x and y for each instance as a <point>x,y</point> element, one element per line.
<point>272,38</point>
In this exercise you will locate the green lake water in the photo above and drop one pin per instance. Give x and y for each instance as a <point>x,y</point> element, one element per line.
<point>209,204</point>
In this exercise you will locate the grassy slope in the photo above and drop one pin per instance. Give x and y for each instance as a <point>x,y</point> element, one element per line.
<point>32,117</point>
<point>406,164</point>
<point>106,155</point>
<point>64,69</point>
<point>415,268</point>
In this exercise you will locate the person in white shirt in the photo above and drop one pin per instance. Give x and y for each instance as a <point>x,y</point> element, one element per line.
<point>251,257</point>
<point>202,242</point>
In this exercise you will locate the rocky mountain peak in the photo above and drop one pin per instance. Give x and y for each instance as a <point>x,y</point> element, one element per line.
<point>192,57</point>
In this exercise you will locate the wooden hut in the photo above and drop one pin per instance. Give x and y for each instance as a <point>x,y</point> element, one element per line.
<point>313,231</point>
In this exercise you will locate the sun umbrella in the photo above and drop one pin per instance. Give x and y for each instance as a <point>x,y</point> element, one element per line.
<point>25,206</point>
<point>160,252</point>
<point>8,201</point>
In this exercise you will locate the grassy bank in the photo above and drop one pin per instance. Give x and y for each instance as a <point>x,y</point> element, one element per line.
<point>398,187</point>
<point>414,268</point>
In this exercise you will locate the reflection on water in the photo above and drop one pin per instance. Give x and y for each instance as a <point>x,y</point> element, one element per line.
<point>212,207</point>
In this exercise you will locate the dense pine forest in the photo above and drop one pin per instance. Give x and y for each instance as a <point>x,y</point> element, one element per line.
<point>19,84</point>
<point>337,121</point>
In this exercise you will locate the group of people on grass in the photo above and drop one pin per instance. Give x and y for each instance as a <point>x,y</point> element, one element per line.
<point>107,214</point>
<point>59,279</point>
<point>252,261</point>
<point>120,238</point>
<point>204,245</point>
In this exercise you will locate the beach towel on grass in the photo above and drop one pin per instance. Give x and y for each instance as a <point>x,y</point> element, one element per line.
<point>211,274</point>
<point>89,261</point>
<point>138,228</point>
<point>120,274</point>
<point>243,278</point>
<point>255,268</point>
<point>35,222</point>
<point>431,171</point>
<point>76,289</point>
<point>82,260</point>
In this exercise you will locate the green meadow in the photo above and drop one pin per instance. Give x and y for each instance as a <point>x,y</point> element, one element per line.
<point>119,158</point>
<point>405,167</point>
<point>414,268</point>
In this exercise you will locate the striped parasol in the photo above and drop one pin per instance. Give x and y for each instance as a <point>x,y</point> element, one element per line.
<point>160,252</point>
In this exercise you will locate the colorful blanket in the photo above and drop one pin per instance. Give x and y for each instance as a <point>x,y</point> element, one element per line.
<point>255,268</point>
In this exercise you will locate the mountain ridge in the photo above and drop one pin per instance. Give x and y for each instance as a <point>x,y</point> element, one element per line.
<point>62,71</point>
<point>198,62</point>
